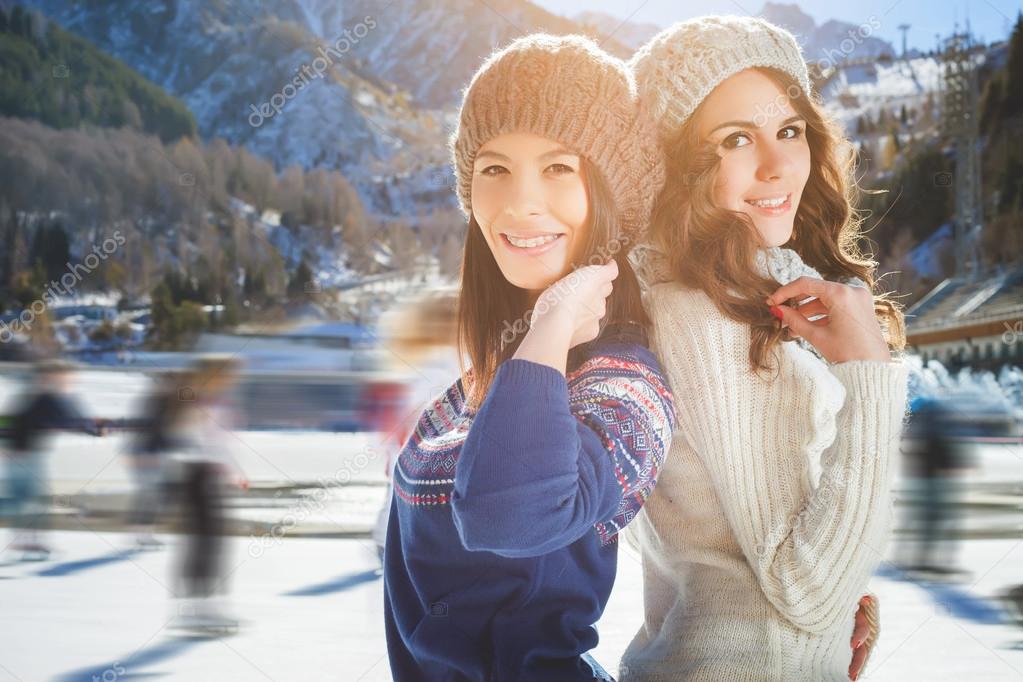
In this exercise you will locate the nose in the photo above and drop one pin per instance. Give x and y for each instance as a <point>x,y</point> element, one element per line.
<point>524,198</point>
<point>773,161</point>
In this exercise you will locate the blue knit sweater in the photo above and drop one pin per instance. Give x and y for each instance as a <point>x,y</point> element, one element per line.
<point>501,547</point>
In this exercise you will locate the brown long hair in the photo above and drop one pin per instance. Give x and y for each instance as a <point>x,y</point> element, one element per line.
<point>493,313</point>
<point>714,249</point>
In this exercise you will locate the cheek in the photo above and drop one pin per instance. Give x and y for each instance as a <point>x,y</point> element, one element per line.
<point>484,202</point>
<point>802,165</point>
<point>733,177</point>
<point>481,199</point>
<point>569,203</point>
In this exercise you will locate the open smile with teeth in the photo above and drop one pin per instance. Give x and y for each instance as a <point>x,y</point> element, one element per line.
<point>773,202</point>
<point>530,243</point>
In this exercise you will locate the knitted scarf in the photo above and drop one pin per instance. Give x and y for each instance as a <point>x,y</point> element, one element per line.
<point>781,264</point>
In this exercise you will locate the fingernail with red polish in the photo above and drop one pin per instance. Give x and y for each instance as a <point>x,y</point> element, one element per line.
<point>776,311</point>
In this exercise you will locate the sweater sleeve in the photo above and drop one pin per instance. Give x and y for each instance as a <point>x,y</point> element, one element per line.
<point>812,547</point>
<point>548,459</point>
<point>63,413</point>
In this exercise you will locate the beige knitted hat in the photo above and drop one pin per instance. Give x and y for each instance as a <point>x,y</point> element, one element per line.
<point>682,64</point>
<point>567,89</point>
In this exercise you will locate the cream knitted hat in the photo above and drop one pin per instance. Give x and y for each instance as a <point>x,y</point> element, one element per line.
<point>682,64</point>
<point>567,89</point>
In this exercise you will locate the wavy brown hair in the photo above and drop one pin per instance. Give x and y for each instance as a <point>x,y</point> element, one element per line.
<point>714,249</point>
<point>493,313</point>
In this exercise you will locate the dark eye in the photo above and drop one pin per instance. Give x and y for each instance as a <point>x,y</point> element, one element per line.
<point>793,132</point>
<point>736,140</point>
<point>560,168</point>
<point>493,170</point>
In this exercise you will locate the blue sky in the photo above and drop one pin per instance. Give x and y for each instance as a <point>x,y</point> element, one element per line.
<point>989,19</point>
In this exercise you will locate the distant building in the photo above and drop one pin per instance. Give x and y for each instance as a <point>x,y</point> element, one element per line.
<point>978,323</point>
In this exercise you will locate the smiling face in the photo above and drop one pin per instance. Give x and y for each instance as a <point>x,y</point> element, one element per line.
<point>765,158</point>
<point>529,199</point>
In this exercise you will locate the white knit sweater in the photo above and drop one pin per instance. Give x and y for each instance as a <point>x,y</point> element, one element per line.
<point>773,508</point>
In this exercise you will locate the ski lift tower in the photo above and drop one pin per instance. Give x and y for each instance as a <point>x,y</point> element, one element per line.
<point>960,126</point>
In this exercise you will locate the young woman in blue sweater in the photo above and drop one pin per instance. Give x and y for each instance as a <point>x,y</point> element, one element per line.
<point>501,547</point>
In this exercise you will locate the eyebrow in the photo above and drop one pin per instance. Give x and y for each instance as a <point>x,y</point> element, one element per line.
<point>750,124</point>
<point>560,151</point>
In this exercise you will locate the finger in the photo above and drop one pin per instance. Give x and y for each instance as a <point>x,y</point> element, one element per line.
<point>605,272</point>
<point>815,307</point>
<point>791,335</point>
<point>861,631</point>
<point>612,267</point>
<point>801,288</point>
<point>797,324</point>
<point>814,311</point>
<point>858,659</point>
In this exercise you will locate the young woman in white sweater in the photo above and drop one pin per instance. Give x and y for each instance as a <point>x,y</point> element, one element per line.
<point>773,509</point>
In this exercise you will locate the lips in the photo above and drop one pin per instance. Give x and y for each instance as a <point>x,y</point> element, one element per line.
<point>771,205</point>
<point>769,202</point>
<point>531,244</point>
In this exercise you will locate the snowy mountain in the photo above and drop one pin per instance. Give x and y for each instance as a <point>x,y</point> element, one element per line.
<point>630,34</point>
<point>361,86</point>
<point>833,41</point>
<point>864,88</point>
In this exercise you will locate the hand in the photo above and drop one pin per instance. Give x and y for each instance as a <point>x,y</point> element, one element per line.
<point>567,314</point>
<point>579,299</point>
<point>863,639</point>
<point>849,330</point>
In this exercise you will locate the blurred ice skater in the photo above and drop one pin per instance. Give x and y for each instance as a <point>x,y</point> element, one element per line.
<point>936,459</point>
<point>148,460</point>
<point>45,408</point>
<point>421,341</point>
<point>200,431</point>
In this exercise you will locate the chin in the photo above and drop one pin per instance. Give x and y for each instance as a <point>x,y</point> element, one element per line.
<point>776,237</point>
<point>529,282</point>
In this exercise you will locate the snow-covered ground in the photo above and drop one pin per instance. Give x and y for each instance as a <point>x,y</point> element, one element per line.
<point>312,610</point>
